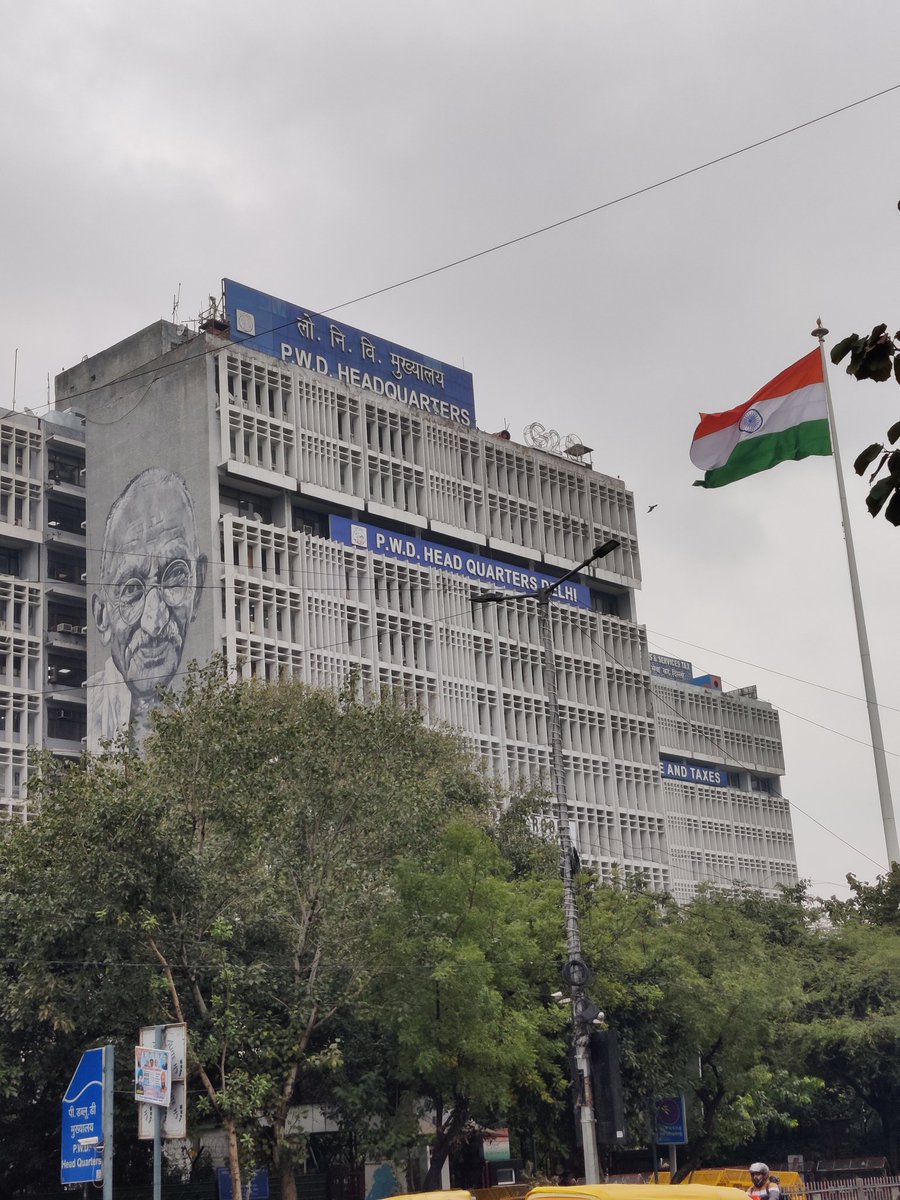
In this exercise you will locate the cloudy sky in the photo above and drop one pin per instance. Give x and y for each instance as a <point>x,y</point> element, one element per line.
<point>323,152</point>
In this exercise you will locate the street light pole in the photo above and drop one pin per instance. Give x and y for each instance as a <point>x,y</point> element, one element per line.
<point>575,972</point>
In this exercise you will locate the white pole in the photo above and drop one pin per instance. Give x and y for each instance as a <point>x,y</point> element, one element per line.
<point>881,771</point>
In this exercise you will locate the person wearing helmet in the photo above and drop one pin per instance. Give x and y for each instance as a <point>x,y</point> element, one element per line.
<point>763,1186</point>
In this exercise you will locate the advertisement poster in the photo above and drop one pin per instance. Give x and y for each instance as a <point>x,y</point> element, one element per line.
<point>152,1076</point>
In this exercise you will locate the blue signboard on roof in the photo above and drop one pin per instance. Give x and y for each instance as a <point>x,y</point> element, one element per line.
<point>82,1122</point>
<point>671,668</point>
<point>307,339</point>
<point>491,574</point>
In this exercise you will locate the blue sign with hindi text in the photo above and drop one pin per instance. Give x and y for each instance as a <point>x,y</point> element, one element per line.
<point>82,1122</point>
<point>671,668</point>
<point>303,338</point>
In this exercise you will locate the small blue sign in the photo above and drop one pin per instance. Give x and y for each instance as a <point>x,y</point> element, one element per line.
<point>671,1121</point>
<point>257,1189</point>
<point>82,1122</point>
<point>319,343</point>
<point>691,773</point>
<point>487,572</point>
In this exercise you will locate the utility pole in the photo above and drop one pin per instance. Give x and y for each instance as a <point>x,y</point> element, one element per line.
<point>575,971</point>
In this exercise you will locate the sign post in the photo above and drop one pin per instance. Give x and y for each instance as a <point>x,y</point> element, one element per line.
<point>159,1088</point>
<point>174,1118</point>
<point>671,1127</point>
<point>87,1122</point>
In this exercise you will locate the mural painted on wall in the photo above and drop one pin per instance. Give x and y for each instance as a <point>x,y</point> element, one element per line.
<point>151,578</point>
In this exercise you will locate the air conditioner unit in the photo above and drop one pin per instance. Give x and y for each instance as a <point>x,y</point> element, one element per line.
<point>84,629</point>
<point>65,627</point>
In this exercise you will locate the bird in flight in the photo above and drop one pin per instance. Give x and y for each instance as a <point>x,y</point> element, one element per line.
<point>651,508</point>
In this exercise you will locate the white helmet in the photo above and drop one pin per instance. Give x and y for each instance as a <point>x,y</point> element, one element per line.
<point>759,1169</point>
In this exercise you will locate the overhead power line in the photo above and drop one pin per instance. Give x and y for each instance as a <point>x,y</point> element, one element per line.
<point>522,237</point>
<point>650,187</point>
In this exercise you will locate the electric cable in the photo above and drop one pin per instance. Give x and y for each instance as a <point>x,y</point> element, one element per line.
<point>519,238</point>
<point>735,762</point>
<point>768,670</point>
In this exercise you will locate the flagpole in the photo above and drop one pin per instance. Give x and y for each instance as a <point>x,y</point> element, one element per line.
<point>881,771</point>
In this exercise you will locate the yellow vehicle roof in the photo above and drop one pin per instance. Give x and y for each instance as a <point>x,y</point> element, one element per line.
<point>633,1191</point>
<point>447,1194</point>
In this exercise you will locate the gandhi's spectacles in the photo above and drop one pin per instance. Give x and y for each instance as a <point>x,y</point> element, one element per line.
<point>174,586</point>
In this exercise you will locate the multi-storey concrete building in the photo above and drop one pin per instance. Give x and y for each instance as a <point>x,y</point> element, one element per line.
<point>308,498</point>
<point>721,762</point>
<point>42,594</point>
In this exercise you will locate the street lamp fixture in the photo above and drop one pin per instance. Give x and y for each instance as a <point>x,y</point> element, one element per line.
<point>575,971</point>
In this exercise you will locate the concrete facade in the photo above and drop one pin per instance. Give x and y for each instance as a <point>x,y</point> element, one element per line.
<point>722,761</point>
<point>233,502</point>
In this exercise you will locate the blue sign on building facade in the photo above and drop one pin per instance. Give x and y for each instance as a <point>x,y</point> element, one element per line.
<point>82,1122</point>
<point>691,773</point>
<point>307,339</point>
<point>671,668</point>
<point>488,572</point>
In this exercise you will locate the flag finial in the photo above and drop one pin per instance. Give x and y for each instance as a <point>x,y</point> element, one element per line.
<point>820,331</point>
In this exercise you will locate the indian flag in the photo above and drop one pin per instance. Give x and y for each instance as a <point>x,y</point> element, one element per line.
<point>786,419</point>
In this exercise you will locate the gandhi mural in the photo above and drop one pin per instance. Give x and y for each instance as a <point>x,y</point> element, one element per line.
<point>151,580</point>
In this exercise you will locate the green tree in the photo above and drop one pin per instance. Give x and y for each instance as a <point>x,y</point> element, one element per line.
<point>69,978</point>
<point>242,863</point>
<point>875,356</point>
<point>849,1024</point>
<point>701,995</point>
<point>466,1027</point>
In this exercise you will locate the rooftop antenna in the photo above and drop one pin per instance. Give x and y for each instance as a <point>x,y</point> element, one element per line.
<point>176,300</point>
<point>15,374</point>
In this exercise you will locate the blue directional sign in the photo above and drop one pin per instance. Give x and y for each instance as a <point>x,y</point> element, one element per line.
<point>82,1122</point>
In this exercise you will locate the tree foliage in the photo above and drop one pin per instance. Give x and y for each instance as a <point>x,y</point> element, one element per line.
<point>848,1025</point>
<point>875,356</point>
<point>328,894</point>
<point>239,866</point>
<point>701,995</point>
<point>465,1000</point>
